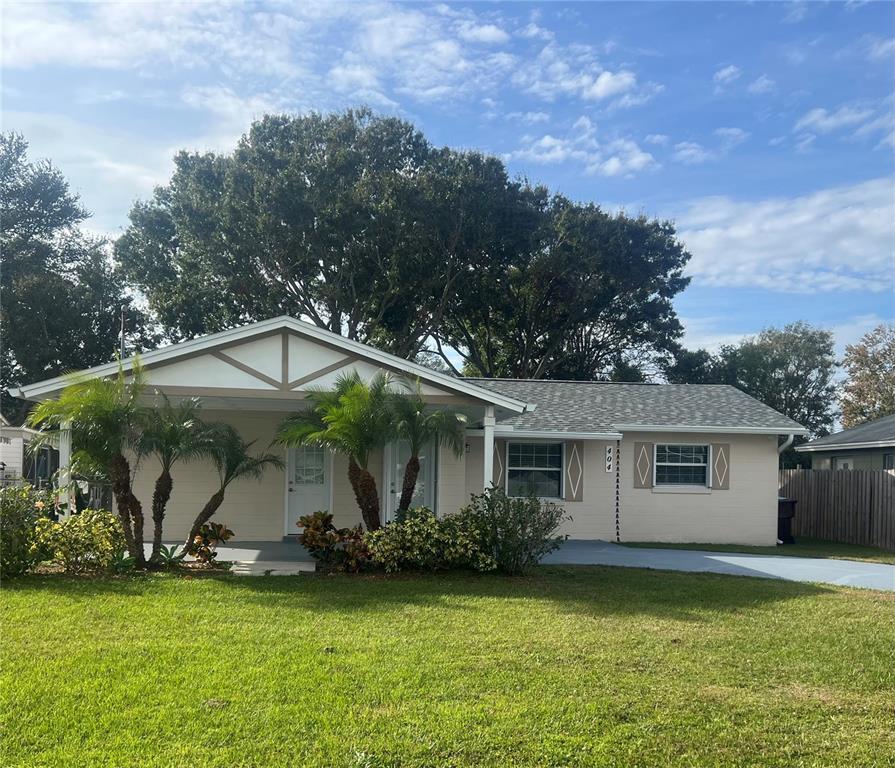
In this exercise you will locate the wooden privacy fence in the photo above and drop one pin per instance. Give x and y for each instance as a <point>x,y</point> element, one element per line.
<point>852,506</point>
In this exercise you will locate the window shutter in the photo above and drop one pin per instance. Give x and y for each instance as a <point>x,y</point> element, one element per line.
<point>573,470</point>
<point>643,465</point>
<point>721,466</point>
<point>500,456</point>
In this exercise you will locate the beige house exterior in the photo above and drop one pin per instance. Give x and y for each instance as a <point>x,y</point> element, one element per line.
<point>629,462</point>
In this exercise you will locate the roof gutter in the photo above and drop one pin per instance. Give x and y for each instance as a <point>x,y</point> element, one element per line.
<point>845,446</point>
<point>711,429</point>
<point>785,444</point>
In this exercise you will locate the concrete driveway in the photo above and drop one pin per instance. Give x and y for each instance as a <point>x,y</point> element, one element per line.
<point>844,573</point>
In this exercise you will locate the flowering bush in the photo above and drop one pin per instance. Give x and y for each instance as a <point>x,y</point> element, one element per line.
<point>21,507</point>
<point>206,542</point>
<point>89,541</point>
<point>343,549</point>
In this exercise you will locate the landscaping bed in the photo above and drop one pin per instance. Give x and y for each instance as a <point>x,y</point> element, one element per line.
<point>567,666</point>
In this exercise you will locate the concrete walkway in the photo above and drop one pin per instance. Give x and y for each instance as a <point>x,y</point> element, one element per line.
<point>844,573</point>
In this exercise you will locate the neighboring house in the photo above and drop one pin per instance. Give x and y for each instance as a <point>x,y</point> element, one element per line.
<point>867,446</point>
<point>17,463</point>
<point>641,461</point>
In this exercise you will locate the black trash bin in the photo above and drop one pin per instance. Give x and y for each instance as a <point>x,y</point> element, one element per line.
<point>786,511</point>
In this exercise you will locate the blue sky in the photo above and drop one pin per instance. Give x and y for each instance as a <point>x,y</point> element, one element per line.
<point>765,130</point>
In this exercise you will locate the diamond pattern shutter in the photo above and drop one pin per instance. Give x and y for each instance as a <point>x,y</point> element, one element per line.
<point>643,465</point>
<point>500,457</point>
<point>573,480</point>
<point>720,466</point>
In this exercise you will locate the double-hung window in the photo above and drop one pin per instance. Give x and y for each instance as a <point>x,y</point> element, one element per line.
<point>534,469</point>
<point>682,464</point>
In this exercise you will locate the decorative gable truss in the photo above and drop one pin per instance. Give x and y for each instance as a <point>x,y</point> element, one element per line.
<point>279,362</point>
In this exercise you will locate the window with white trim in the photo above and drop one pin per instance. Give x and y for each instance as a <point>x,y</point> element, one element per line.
<point>889,461</point>
<point>682,464</point>
<point>534,469</point>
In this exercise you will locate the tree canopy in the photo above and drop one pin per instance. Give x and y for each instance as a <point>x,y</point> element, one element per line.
<point>62,295</point>
<point>869,391</point>
<point>358,224</point>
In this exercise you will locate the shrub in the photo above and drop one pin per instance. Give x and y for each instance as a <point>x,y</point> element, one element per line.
<point>20,508</point>
<point>342,549</point>
<point>206,542</point>
<point>421,541</point>
<point>89,541</point>
<point>514,533</point>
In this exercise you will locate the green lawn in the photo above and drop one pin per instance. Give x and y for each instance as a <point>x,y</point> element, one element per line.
<point>567,667</point>
<point>802,548</point>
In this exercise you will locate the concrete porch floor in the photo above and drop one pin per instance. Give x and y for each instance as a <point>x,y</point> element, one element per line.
<point>264,558</point>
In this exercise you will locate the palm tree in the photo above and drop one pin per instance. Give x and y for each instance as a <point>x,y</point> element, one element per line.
<point>104,416</point>
<point>418,427</point>
<point>230,455</point>
<point>170,433</point>
<point>353,419</point>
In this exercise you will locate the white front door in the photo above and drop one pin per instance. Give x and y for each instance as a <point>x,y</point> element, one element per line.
<point>308,484</point>
<point>396,456</point>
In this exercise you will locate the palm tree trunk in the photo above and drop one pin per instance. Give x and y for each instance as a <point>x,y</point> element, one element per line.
<point>120,474</point>
<point>364,485</point>
<point>211,506</point>
<point>411,473</point>
<point>136,510</point>
<point>164,484</point>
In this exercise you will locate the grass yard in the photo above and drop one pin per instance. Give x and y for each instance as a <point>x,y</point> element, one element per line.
<point>802,548</point>
<point>568,667</point>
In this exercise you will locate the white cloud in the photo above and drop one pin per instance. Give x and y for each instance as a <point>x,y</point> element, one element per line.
<point>659,139</point>
<point>731,137</point>
<point>482,33</point>
<point>610,84</point>
<point>881,49</point>
<point>821,121</point>
<point>529,117</point>
<point>837,239</point>
<point>725,76</point>
<point>574,71</point>
<point>618,157</point>
<point>762,84</point>
<point>796,12</point>
<point>532,31</point>
<point>691,153</point>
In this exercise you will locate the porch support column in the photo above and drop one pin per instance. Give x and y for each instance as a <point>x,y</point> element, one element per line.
<point>63,477</point>
<point>488,425</point>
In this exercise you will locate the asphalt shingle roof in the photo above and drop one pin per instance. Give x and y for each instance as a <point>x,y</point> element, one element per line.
<point>596,406</point>
<point>876,431</point>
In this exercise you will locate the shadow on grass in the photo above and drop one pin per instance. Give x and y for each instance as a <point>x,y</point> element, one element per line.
<point>585,590</point>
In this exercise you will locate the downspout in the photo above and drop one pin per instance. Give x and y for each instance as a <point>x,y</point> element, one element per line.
<point>786,443</point>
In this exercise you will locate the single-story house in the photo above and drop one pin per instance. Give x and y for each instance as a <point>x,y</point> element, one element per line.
<point>628,461</point>
<point>867,446</point>
<point>20,464</point>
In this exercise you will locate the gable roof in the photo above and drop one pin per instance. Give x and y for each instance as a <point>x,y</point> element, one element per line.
<point>210,343</point>
<point>874,434</point>
<point>608,408</point>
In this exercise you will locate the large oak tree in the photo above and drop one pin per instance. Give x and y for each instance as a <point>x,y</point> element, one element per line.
<point>356,223</point>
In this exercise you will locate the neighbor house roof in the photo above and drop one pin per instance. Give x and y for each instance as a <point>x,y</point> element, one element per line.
<point>609,408</point>
<point>874,434</point>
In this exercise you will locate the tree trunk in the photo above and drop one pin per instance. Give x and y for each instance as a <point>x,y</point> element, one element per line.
<point>364,486</point>
<point>120,475</point>
<point>411,473</point>
<point>211,506</point>
<point>160,496</point>
<point>136,510</point>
